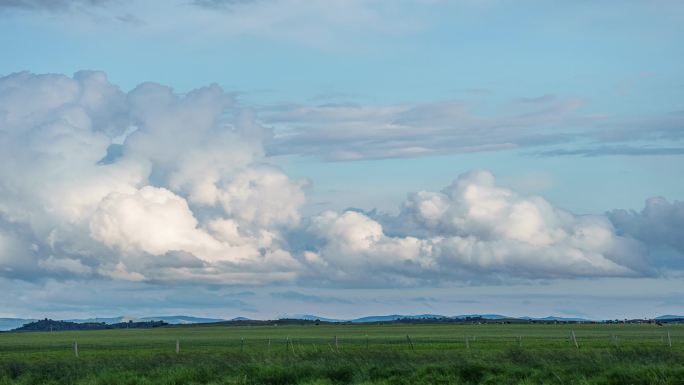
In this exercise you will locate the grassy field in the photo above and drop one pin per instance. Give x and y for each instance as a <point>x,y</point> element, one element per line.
<point>363,354</point>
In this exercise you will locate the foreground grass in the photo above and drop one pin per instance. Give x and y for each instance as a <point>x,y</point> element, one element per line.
<point>433,354</point>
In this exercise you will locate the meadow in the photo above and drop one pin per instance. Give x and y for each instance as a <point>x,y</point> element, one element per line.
<point>350,354</point>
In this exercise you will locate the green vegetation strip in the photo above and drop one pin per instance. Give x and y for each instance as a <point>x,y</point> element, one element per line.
<point>349,354</point>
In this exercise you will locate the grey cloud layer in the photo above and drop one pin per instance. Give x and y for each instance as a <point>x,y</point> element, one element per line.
<point>150,186</point>
<point>659,223</point>
<point>340,132</point>
<point>350,132</point>
<point>614,150</point>
<point>75,299</point>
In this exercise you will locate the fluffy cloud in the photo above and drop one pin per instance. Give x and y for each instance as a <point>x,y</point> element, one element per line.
<point>145,185</point>
<point>153,186</point>
<point>471,229</point>
<point>132,223</point>
<point>264,196</point>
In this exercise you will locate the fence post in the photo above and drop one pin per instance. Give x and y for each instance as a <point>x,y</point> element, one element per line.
<point>467,343</point>
<point>669,339</point>
<point>337,346</point>
<point>574,339</point>
<point>177,346</point>
<point>76,349</point>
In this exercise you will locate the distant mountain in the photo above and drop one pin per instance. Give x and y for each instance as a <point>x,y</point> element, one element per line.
<point>425,316</point>
<point>310,317</point>
<point>182,319</point>
<point>105,320</point>
<point>368,319</point>
<point>554,318</point>
<point>483,316</point>
<point>668,317</point>
<point>13,323</point>
<point>173,320</point>
<point>378,318</point>
<point>395,317</point>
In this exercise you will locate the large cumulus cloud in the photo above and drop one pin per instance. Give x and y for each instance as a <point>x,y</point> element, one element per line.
<point>471,229</point>
<point>149,185</point>
<point>96,181</point>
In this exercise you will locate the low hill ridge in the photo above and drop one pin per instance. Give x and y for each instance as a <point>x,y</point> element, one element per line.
<point>48,325</point>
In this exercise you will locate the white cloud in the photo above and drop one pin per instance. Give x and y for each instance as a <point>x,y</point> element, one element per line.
<point>157,222</point>
<point>153,186</point>
<point>472,229</point>
<point>264,196</point>
<point>188,176</point>
<point>151,220</point>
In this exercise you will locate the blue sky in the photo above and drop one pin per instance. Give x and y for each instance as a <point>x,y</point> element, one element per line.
<point>323,159</point>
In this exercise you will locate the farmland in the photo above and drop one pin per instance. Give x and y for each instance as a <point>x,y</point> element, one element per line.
<point>350,354</point>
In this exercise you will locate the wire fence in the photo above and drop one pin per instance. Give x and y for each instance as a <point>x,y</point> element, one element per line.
<point>279,344</point>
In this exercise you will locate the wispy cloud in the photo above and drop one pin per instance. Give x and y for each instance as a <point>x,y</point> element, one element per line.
<point>50,5</point>
<point>613,150</point>
<point>354,132</point>
<point>347,131</point>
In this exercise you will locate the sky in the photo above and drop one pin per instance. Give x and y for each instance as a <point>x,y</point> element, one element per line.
<point>264,158</point>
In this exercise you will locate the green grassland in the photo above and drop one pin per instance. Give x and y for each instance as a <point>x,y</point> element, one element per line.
<point>364,354</point>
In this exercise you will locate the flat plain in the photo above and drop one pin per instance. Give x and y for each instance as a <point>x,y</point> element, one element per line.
<point>350,354</point>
